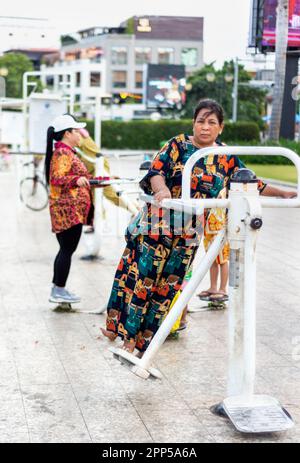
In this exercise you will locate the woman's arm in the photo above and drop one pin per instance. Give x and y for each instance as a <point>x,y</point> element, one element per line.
<point>61,166</point>
<point>160,189</point>
<point>273,191</point>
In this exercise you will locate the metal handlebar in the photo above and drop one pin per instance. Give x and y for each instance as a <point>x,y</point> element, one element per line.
<point>192,206</point>
<point>241,151</point>
<point>121,181</point>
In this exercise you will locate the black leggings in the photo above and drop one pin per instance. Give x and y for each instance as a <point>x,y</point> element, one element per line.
<point>68,241</point>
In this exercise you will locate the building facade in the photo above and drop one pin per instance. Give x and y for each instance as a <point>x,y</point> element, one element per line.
<point>113,60</point>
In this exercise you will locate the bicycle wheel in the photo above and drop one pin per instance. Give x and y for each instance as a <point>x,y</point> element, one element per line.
<point>34,193</point>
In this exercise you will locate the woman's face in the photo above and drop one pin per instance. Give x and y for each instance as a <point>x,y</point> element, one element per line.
<point>73,137</point>
<point>206,128</point>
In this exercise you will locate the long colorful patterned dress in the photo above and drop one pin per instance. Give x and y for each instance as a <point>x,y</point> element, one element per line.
<point>160,248</point>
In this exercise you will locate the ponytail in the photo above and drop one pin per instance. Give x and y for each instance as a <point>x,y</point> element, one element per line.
<point>51,136</point>
<point>49,152</point>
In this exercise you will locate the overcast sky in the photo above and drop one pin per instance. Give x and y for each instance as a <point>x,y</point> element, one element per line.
<point>226,22</point>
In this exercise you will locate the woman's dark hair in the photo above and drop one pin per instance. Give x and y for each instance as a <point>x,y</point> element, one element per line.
<point>212,108</point>
<point>51,136</point>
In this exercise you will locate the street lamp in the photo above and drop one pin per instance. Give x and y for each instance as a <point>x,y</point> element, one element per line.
<point>210,77</point>
<point>3,72</point>
<point>228,78</point>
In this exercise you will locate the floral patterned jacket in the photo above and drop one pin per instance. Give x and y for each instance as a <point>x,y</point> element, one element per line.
<point>209,177</point>
<point>69,204</point>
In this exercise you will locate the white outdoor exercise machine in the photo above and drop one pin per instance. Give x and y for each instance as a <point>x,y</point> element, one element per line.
<point>248,412</point>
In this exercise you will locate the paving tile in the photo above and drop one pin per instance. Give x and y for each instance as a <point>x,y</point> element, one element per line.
<point>53,414</point>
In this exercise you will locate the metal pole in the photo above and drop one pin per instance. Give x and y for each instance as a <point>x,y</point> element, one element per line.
<point>72,92</point>
<point>235,90</point>
<point>98,110</point>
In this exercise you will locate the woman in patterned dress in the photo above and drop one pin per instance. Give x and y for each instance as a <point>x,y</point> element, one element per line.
<point>160,249</point>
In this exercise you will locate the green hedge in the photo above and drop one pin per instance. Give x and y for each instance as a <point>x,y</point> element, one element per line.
<point>279,160</point>
<point>148,135</point>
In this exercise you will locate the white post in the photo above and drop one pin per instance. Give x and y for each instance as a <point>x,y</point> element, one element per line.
<point>25,111</point>
<point>72,92</point>
<point>236,237</point>
<point>98,115</point>
<point>235,91</point>
<point>244,207</point>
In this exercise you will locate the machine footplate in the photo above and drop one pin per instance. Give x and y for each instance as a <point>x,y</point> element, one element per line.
<point>257,414</point>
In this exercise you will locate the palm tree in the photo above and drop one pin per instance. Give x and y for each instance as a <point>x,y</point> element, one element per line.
<point>282,27</point>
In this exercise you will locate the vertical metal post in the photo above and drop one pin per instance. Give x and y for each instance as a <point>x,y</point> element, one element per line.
<point>98,111</point>
<point>249,312</point>
<point>245,206</point>
<point>72,92</point>
<point>236,237</point>
<point>235,91</point>
<point>25,111</point>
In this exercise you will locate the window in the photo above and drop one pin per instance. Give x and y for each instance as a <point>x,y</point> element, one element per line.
<point>138,79</point>
<point>49,81</point>
<point>166,56</point>
<point>189,56</point>
<point>119,55</point>
<point>95,79</point>
<point>119,79</point>
<point>142,55</point>
<point>78,79</point>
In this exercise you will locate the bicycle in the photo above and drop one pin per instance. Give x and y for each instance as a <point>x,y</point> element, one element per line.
<point>33,189</point>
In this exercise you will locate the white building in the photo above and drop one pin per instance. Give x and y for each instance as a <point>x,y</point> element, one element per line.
<point>27,33</point>
<point>112,60</point>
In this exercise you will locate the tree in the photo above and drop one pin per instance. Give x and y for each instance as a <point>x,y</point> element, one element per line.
<point>208,82</point>
<point>16,64</point>
<point>282,25</point>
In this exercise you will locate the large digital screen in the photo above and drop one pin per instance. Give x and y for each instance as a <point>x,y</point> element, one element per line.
<point>269,24</point>
<point>165,86</point>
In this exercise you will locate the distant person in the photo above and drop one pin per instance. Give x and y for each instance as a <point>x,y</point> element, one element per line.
<point>88,146</point>
<point>69,198</point>
<point>4,155</point>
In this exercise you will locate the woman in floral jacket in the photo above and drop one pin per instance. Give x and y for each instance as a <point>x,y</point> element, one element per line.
<point>69,198</point>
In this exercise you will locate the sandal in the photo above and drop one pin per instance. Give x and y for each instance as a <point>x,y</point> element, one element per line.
<point>182,326</point>
<point>205,294</point>
<point>222,297</point>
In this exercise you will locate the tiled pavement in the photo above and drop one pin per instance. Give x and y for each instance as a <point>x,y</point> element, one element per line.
<point>59,383</point>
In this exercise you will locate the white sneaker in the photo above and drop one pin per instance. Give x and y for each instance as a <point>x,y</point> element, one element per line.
<point>62,295</point>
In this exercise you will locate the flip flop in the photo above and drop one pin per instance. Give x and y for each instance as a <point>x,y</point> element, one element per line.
<point>182,326</point>
<point>205,294</point>
<point>218,297</point>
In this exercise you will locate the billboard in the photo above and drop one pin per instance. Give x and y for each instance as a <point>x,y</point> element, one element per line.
<point>263,28</point>
<point>269,25</point>
<point>165,86</point>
